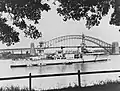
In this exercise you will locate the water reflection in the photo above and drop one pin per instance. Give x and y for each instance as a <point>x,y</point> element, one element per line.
<point>61,68</point>
<point>77,66</point>
<point>83,67</point>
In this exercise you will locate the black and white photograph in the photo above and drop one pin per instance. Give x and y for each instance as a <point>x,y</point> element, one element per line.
<point>59,45</point>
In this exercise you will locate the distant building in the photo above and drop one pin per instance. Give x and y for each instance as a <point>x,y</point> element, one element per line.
<point>32,49</point>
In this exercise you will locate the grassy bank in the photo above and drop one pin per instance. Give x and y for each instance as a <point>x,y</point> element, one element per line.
<point>103,86</point>
<point>13,88</point>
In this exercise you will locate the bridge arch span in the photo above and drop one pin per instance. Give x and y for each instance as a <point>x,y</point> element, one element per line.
<point>87,38</point>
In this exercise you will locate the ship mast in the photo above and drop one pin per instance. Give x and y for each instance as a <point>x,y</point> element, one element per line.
<point>83,45</point>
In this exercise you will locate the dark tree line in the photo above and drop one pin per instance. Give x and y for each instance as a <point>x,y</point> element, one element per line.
<point>20,10</point>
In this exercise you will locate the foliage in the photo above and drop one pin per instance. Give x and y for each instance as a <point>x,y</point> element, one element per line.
<point>19,11</point>
<point>90,10</point>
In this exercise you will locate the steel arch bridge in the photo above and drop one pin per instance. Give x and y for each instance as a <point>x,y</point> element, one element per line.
<point>96,41</point>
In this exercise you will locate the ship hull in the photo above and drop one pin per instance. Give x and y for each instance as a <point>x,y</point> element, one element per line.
<point>30,63</point>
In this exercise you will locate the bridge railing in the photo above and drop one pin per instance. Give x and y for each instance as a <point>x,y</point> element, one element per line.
<point>55,75</point>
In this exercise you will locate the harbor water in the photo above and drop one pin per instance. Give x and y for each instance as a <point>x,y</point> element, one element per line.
<point>63,81</point>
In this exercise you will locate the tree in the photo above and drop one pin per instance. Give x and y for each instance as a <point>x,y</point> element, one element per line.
<point>90,10</point>
<point>19,11</point>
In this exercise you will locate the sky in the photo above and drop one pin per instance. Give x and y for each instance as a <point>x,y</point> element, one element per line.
<point>51,25</point>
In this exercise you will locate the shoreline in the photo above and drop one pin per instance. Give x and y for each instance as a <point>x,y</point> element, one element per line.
<point>103,86</point>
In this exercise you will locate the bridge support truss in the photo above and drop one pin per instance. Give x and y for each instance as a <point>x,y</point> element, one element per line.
<point>100,43</point>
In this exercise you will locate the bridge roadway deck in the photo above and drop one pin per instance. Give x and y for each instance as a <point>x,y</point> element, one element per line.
<point>17,49</point>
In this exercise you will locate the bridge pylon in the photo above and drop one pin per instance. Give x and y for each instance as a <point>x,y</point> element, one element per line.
<point>115,48</point>
<point>32,49</point>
